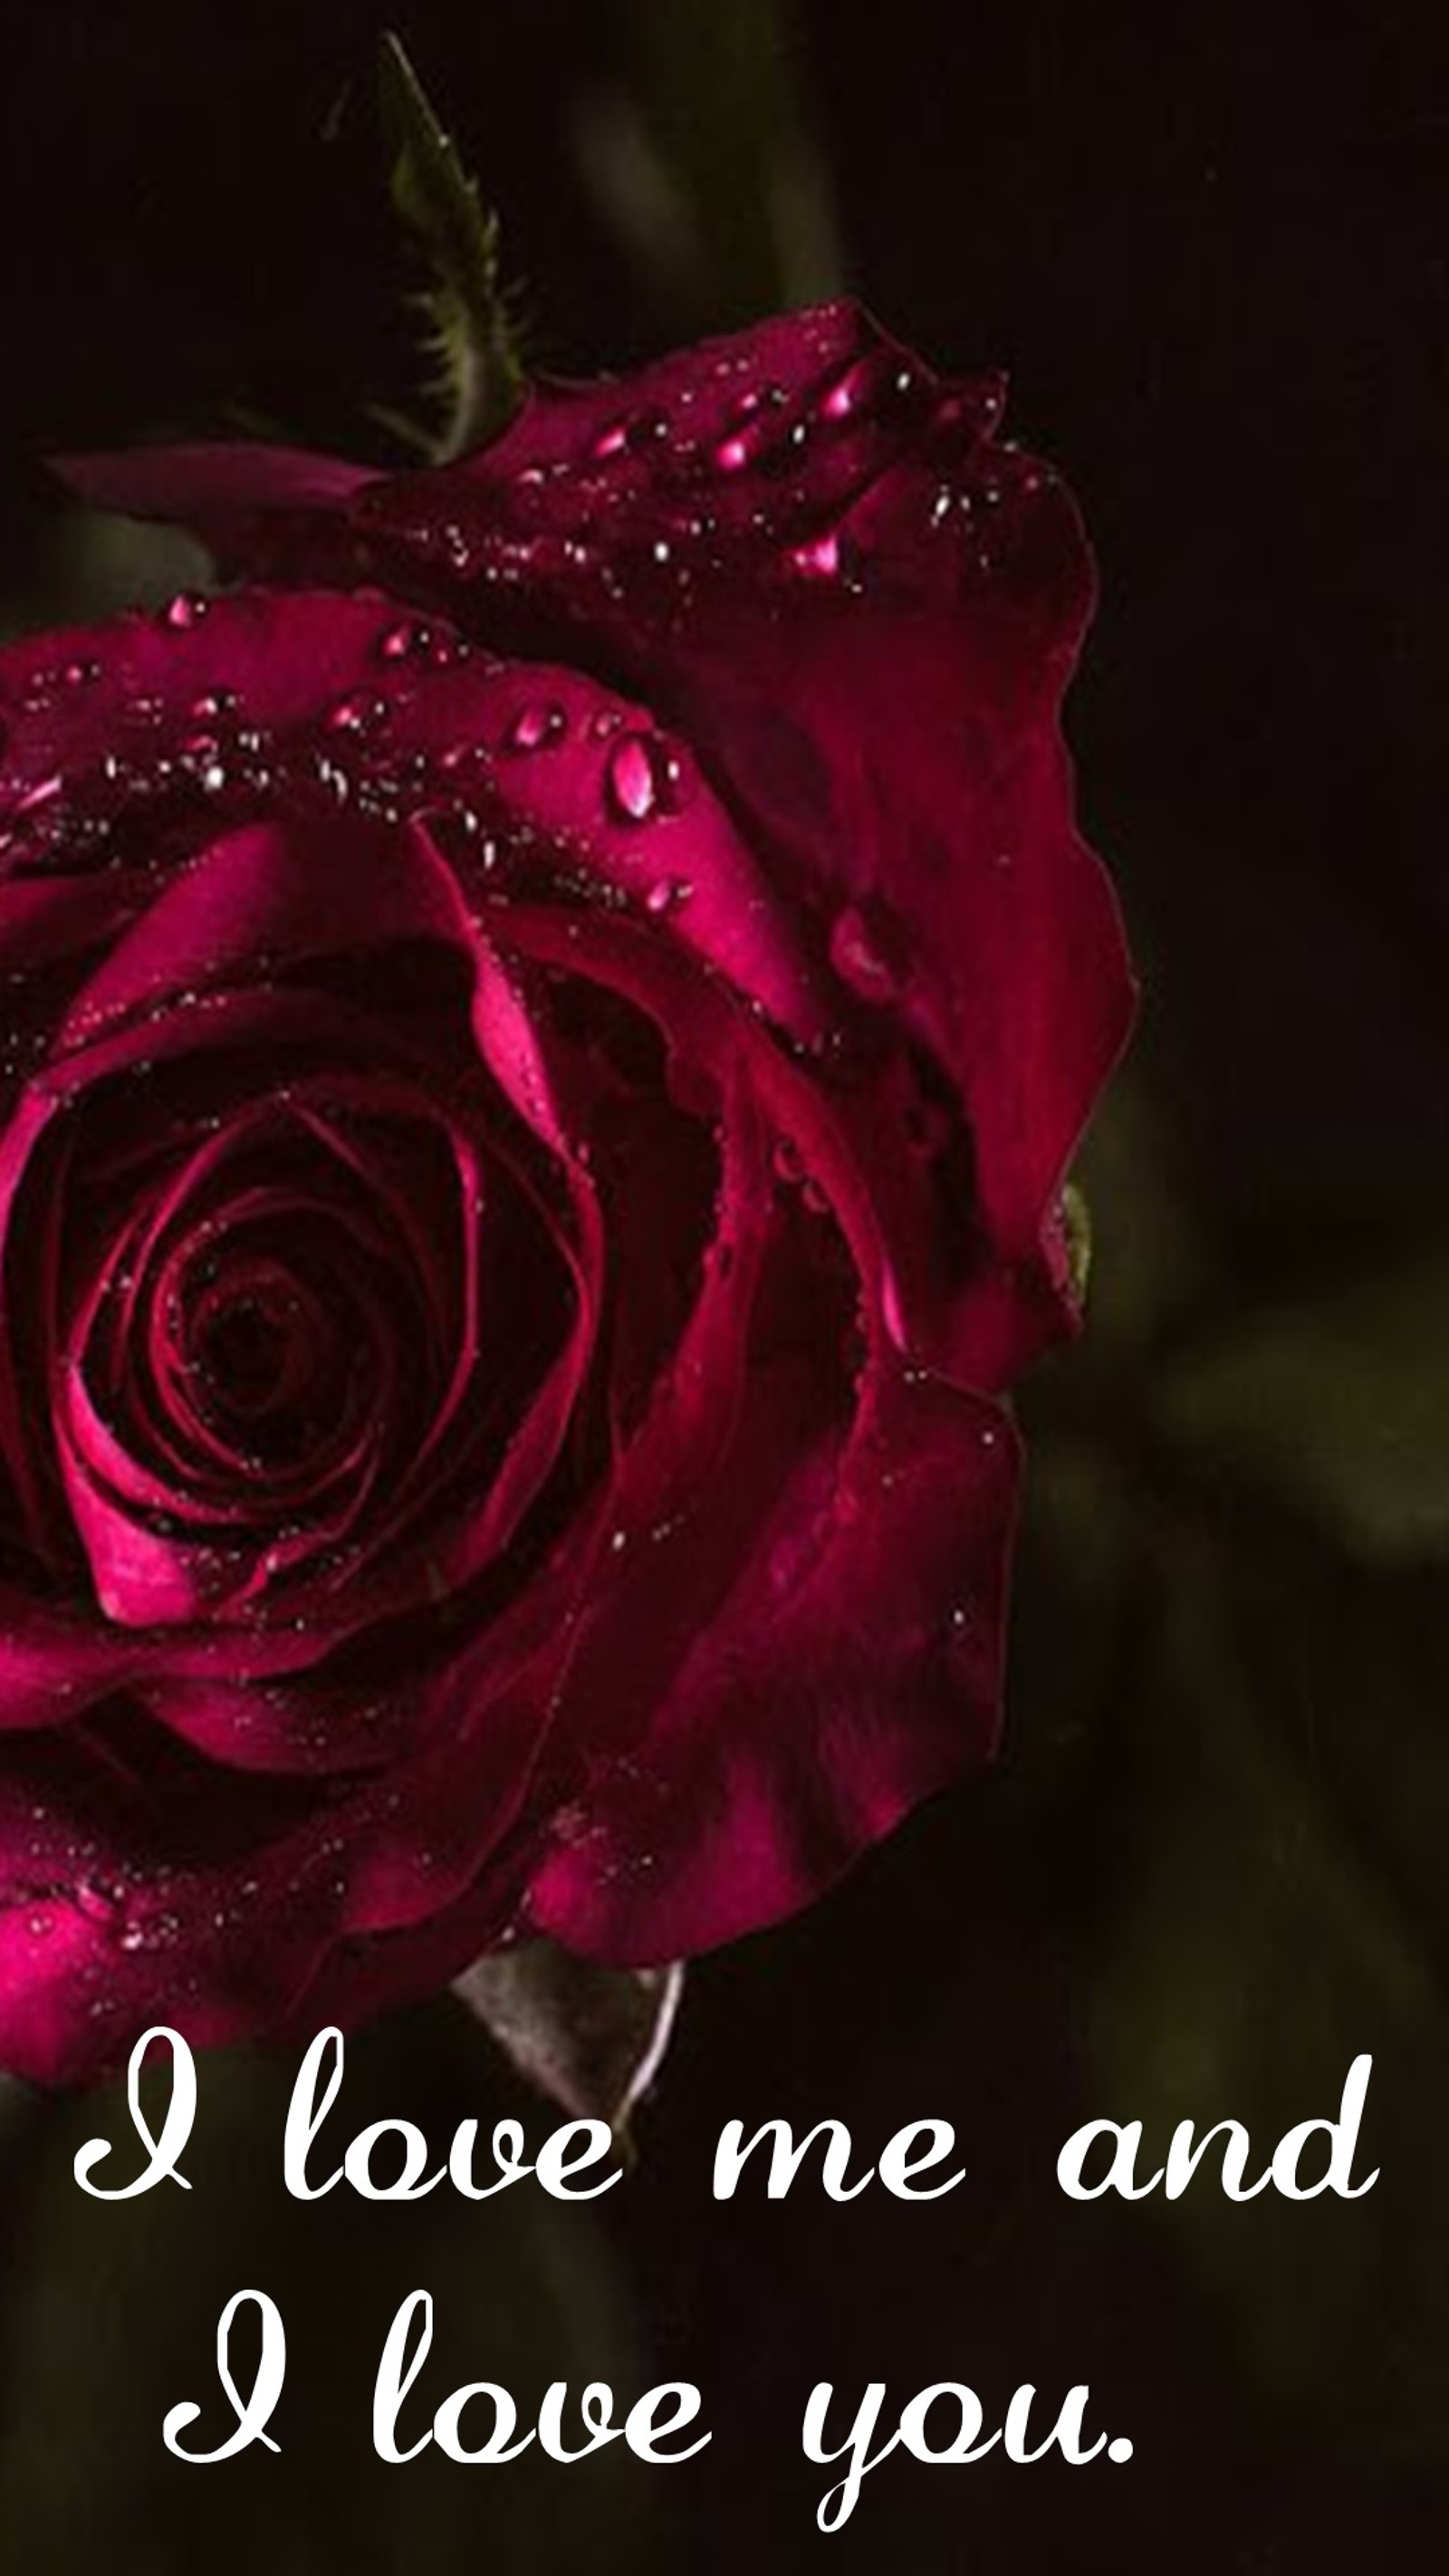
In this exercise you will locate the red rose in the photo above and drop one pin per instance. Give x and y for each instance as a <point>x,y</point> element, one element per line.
<point>521,1181</point>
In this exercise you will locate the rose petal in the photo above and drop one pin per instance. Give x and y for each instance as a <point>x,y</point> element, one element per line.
<point>850,1666</point>
<point>860,610</point>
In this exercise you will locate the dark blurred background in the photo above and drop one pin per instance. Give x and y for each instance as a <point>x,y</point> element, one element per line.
<point>1210,246</point>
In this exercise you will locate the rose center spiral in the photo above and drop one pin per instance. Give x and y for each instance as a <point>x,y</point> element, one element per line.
<point>255,1347</point>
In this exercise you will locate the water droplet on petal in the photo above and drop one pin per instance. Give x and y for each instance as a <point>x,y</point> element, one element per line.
<point>847,393</point>
<point>642,777</point>
<point>43,793</point>
<point>667,894</point>
<point>732,455</point>
<point>966,1637</point>
<point>359,713</point>
<point>611,441</point>
<point>408,638</point>
<point>97,1904</point>
<point>861,386</point>
<point>185,610</point>
<point>819,560</point>
<point>534,727</point>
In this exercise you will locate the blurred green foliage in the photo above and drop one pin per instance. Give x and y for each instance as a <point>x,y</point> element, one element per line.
<point>1236,1622</point>
<point>706,164</point>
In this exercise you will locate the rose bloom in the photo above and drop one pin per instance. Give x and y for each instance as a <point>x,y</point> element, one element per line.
<point>542,1039</point>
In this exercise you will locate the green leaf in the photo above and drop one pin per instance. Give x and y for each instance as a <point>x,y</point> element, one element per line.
<point>1339,1405</point>
<point>479,380</point>
<point>592,2038</point>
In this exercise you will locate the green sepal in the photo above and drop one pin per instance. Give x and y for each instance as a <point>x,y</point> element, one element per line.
<point>478,380</point>
<point>591,2038</point>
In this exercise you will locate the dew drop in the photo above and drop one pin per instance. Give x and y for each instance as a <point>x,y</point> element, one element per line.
<point>44,792</point>
<point>408,640</point>
<point>732,455</point>
<point>184,611</point>
<point>534,727</point>
<point>819,560</point>
<point>667,895</point>
<point>611,441</point>
<point>359,713</point>
<point>97,1904</point>
<point>846,394</point>
<point>641,779</point>
<point>336,781</point>
<point>861,385</point>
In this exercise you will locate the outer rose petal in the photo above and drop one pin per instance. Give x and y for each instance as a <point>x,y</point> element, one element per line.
<point>852,1666</point>
<point>861,610</point>
<point>212,1900</point>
